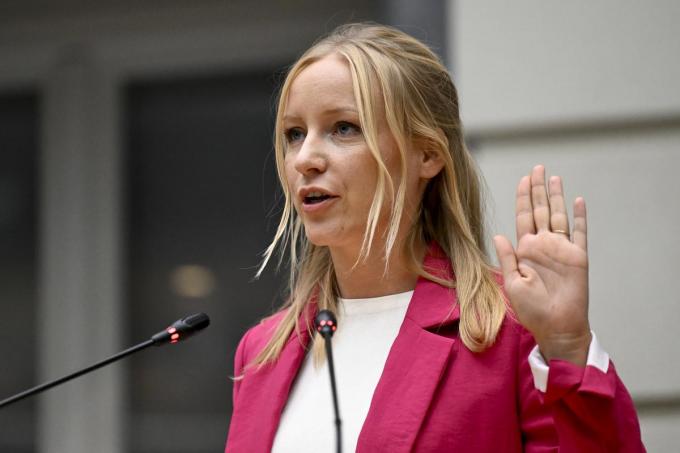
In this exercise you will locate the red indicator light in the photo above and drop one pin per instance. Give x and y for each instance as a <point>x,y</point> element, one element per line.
<point>175,337</point>
<point>172,330</point>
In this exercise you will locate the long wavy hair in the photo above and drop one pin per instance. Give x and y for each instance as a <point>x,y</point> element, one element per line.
<point>421,106</point>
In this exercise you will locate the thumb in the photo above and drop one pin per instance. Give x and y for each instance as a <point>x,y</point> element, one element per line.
<point>506,258</point>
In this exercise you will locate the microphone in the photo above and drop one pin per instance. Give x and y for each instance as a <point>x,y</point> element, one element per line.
<point>180,330</point>
<point>326,324</point>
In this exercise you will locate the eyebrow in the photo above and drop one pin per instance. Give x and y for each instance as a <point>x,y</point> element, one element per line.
<point>332,111</point>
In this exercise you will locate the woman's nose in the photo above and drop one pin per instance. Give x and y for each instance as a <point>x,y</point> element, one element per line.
<point>311,157</point>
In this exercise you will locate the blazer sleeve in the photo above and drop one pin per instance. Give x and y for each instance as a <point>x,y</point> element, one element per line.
<point>582,409</point>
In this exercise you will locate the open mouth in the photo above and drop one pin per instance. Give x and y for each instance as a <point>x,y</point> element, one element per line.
<point>315,199</point>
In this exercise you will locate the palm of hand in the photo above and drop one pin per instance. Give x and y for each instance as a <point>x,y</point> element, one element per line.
<point>546,277</point>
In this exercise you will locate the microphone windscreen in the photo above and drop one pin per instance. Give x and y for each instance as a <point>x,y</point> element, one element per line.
<point>196,322</point>
<point>325,323</point>
<point>182,329</point>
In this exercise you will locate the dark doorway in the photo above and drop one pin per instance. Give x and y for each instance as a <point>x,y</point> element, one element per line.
<point>201,206</point>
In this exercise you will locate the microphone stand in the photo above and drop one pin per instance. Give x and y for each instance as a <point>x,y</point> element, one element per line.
<point>338,429</point>
<point>326,325</point>
<point>178,331</point>
<point>54,383</point>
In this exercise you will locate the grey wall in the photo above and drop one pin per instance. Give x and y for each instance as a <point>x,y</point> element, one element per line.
<point>591,90</point>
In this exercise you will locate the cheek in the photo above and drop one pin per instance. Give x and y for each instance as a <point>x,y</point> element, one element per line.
<point>290,175</point>
<point>364,180</point>
<point>361,171</point>
<point>288,166</point>
<point>392,160</point>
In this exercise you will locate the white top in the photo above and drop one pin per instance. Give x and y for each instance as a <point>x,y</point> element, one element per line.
<point>366,330</point>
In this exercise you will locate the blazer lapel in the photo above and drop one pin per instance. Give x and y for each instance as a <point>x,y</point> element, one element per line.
<point>414,366</point>
<point>257,419</point>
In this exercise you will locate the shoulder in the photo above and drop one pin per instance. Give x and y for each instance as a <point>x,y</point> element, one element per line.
<point>255,338</point>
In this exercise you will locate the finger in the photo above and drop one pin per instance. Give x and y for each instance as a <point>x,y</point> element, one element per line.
<point>559,220</point>
<point>539,199</point>
<point>524,213</point>
<point>580,225</point>
<point>506,258</point>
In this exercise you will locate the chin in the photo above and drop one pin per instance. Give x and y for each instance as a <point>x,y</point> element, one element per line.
<point>320,240</point>
<point>323,237</point>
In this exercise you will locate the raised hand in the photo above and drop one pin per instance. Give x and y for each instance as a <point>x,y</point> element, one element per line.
<point>546,277</point>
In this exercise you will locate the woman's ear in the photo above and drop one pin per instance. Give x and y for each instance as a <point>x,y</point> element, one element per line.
<point>430,158</point>
<point>431,163</point>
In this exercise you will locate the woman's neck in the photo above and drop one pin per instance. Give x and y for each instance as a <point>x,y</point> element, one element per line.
<point>368,278</point>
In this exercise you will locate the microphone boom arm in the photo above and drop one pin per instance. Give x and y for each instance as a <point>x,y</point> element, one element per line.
<point>178,331</point>
<point>54,383</point>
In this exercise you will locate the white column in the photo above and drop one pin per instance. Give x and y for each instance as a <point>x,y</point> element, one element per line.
<point>80,307</point>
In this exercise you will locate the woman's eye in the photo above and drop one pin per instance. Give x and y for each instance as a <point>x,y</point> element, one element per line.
<point>345,129</point>
<point>294,134</point>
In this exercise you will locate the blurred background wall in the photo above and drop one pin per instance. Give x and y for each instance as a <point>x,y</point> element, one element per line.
<point>591,90</point>
<point>137,186</point>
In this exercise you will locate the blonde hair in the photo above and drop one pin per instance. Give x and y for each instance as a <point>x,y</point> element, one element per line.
<point>421,106</point>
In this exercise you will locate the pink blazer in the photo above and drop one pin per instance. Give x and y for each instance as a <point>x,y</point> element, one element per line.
<point>434,395</point>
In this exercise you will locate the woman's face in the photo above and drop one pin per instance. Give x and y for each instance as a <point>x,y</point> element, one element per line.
<point>329,168</point>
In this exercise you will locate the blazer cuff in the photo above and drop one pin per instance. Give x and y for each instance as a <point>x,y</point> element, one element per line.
<point>597,357</point>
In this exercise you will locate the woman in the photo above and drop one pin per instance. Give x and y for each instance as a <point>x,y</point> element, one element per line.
<point>384,227</point>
